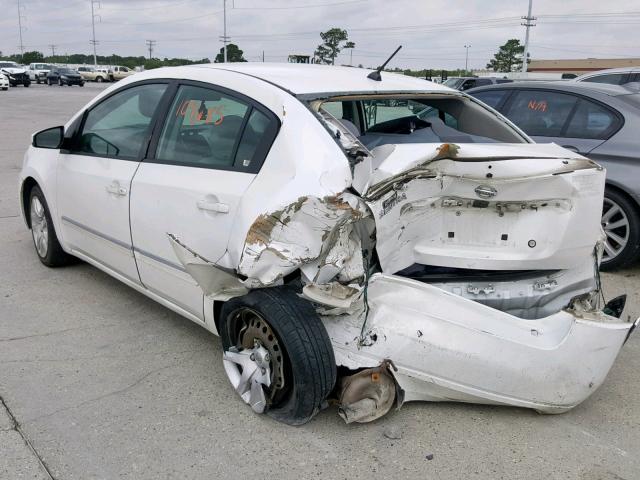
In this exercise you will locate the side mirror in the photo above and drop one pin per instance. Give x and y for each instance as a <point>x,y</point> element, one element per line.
<point>49,138</point>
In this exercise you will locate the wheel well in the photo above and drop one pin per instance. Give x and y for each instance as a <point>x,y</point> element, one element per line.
<point>27,186</point>
<point>624,193</point>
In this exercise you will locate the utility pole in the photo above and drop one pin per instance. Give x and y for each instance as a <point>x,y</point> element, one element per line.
<point>53,50</point>
<point>224,29</point>
<point>262,56</point>
<point>151,44</point>
<point>466,58</point>
<point>528,24</point>
<point>93,29</point>
<point>20,28</point>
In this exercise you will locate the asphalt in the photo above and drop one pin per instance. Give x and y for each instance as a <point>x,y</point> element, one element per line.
<point>99,382</point>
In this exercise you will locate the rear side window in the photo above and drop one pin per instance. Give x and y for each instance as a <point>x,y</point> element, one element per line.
<point>611,78</point>
<point>491,97</point>
<point>541,113</point>
<point>211,129</point>
<point>119,126</point>
<point>591,120</point>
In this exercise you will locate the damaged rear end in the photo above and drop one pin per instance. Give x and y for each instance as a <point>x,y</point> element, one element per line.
<point>445,271</point>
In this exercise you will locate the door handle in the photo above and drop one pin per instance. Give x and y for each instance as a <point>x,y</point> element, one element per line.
<point>116,189</point>
<point>213,206</point>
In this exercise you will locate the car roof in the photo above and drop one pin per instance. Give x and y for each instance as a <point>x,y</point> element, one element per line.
<point>301,79</point>
<point>567,86</point>
<point>607,71</point>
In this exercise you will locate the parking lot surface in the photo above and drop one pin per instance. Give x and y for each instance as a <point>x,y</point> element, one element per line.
<point>99,382</point>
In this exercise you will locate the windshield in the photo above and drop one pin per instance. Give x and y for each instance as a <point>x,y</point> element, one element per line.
<point>435,118</point>
<point>8,65</point>
<point>453,82</point>
<point>66,70</point>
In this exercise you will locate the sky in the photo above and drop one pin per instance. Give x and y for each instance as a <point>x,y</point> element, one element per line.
<point>433,33</point>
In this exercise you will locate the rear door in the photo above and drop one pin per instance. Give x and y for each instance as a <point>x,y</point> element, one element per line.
<point>210,148</point>
<point>94,176</point>
<point>569,120</point>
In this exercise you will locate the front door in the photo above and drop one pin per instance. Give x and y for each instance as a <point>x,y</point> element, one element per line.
<point>94,177</point>
<point>207,154</point>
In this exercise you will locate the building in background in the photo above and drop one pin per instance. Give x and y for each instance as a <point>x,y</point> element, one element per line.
<point>580,65</point>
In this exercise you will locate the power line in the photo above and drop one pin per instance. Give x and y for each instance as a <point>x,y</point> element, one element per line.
<point>346,2</point>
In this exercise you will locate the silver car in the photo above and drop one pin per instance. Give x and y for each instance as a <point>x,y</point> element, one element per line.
<point>597,120</point>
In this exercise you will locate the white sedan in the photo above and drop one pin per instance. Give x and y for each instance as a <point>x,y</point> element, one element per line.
<point>341,246</point>
<point>4,82</point>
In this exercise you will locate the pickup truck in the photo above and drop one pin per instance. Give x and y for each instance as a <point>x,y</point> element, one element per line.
<point>91,74</point>
<point>118,73</point>
<point>38,72</point>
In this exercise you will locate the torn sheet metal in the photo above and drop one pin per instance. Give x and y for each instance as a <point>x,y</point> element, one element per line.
<point>214,280</point>
<point>444,347</point>
<point>316,232</point>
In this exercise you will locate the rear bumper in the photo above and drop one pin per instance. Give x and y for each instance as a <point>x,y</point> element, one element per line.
<point>448,348</point>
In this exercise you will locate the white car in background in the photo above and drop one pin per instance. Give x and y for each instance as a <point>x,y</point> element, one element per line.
<point>332,238</point>
<point>4,82</point>
<point>613,76</point>
<point>38,72</point>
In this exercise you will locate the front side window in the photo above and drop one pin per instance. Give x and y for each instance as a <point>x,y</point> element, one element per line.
<point>491,97</point>
<point>119,126</point>
<point>541,113</point>
<point>210,129</point>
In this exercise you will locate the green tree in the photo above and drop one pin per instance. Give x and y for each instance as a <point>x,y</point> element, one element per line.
<point>32,57</point>
<point>332,44</point>
<point>234,54</point>
<point>508,58</point>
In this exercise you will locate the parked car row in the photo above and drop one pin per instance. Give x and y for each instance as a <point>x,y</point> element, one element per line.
<point>15,74</point>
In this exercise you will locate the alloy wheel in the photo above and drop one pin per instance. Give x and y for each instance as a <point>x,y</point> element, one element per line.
<point>39,227</point>
<point>616,228</point>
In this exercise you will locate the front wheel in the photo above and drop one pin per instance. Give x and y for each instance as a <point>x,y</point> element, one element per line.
<point>277,354</point>
<point>43,232</point>
<point>60,82</point>
<point>99,79</point>
<point>621,224</point>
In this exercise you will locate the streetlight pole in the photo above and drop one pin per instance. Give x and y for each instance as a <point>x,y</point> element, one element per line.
<point>20,29</point>
<point>466,58</point>
<point>528,24</point>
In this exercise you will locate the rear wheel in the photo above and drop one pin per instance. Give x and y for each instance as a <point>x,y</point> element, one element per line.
<point>60,82</point>
<point>99,79</point>
<point>43,232</point>
<point>621,224</point>
<point>277,354</point>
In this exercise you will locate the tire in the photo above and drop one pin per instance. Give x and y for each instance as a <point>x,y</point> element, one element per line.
<point>307,362</point>
<point>60,82</point>
<point>49,251</point>
<point>38,81</point>
<point>618,209</point>
<point>49,81</point>
<point>99,79</point>
<point>81,84</point>
<point>26,84</point>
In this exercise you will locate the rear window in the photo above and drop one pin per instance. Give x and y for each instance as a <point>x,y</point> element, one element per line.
<point>541,113</point>
<point>379,121</point>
